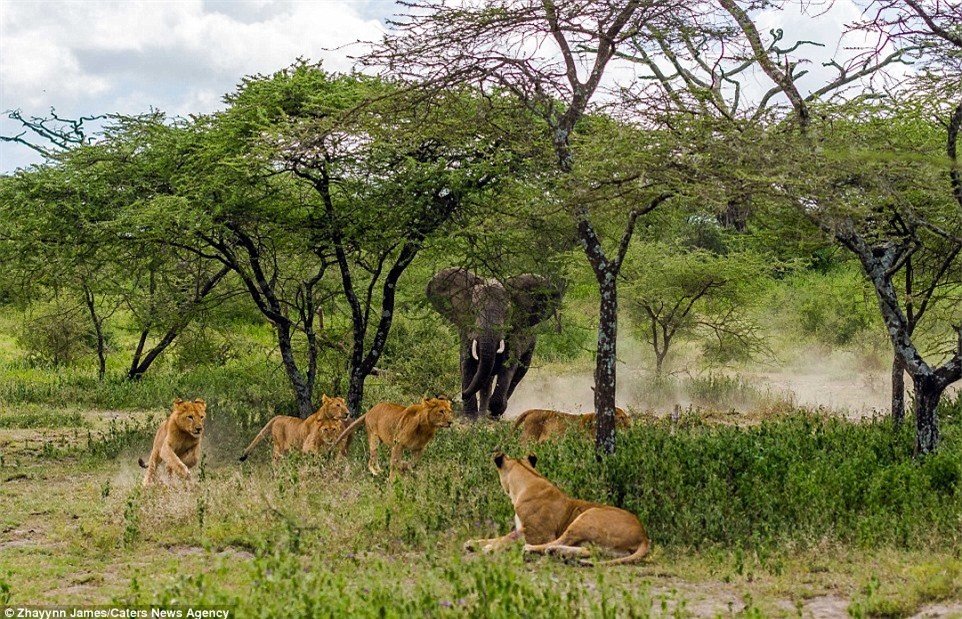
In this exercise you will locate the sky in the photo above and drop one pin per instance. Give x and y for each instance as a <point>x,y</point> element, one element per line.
<point>86,57</point>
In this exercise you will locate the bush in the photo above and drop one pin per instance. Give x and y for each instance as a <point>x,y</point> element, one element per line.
<point>835,308</point>
<point>53,335</point>
<point>789,482</point>
<point>340,543</point>
<point>199,346</point>
<point>420,358</point>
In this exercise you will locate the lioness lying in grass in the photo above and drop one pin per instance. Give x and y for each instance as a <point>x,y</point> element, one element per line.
<point>552,522</point>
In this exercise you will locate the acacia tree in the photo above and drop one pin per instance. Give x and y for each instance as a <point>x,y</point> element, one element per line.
<point>934,29</point>
<point>164,288</point>
<point>709,63</point>
<point>552,59</point>
<point>699,64</point>
<point>311,186</point>
<point>54,246</point>
<point>67,230</point>
<point>873,208</point>
<point>694,293</point>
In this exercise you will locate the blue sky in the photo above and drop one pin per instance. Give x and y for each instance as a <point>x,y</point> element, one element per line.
<point>86,57</point>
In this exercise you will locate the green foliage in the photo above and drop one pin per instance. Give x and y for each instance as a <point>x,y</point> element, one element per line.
<point>575,340</point>
<point>132,517</point>
<point>197,346</point>
<point>120,436</point>
<point>53,335</point>
<point>794,481</point>
<point>500,587</point>
<point>36,417</point>
<point>248,391</point>
<point>695,294</point>
<point>719,390</point>
<point>836,309</point>
<point>790,482</point>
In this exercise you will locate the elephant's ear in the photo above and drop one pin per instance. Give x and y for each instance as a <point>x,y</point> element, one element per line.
<point>450,293</point>
<point>533,299</point>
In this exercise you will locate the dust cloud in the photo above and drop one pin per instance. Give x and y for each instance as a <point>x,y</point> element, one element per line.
<point>840,382</point>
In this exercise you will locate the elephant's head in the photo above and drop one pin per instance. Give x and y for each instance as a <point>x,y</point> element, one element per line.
<point>486,312</point>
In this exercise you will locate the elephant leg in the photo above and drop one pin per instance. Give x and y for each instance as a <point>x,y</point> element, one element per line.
<point>471,407</point>
<point>484,396</point>
<point>508,378</point>
<point>468,367</point>
<point>524,362</point>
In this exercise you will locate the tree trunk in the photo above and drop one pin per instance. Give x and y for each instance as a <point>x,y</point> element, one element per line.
<point>660,362</point>
<point>355,393</point>
<point>139,367</point>
<point>363,364</point>
<point>898,391</point>
<point>927,395</point>
<point>303,391</point>
<point>606,365</point>
<point>99,332</point>
<point>132,373</point>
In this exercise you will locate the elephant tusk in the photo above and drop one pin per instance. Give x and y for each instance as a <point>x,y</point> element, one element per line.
<point>474,350</point>
<point>501,347</point>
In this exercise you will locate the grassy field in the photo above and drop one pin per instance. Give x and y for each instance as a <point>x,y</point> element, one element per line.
<point>798,514</point>
<point>755,506</point>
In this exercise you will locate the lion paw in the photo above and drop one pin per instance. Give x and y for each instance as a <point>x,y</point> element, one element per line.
<point>480,545</point>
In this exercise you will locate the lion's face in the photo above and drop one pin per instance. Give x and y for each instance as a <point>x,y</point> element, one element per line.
<point>334,408</point>
<point>189,416</point>
<point>439,411</point>
<point>622,420</point>
<point>325,432</point>
<point>329,432</point>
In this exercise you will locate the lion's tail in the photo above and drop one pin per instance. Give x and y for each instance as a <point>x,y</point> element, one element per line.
<point>141,462</point>
<point>348,431</point>
<point>257,439</point>
<point>519,420</point>
<point>634,557</point>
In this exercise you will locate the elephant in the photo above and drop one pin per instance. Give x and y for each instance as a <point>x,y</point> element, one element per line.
<point>495,323</point>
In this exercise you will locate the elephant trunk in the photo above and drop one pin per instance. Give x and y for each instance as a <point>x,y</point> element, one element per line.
<point>485,351</point>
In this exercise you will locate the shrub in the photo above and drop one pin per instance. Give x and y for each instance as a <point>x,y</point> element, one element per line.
<point>199,346</point>
<point>793,481</point>
<point>54,335</point>
<point>835,309</point>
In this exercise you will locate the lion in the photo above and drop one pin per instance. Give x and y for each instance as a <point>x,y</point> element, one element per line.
<point>307,435</point>
<point>322,435</point>
<point>177,442</point>
<point>540,424</point>
<point>552,522</point>
<point>410,428</point>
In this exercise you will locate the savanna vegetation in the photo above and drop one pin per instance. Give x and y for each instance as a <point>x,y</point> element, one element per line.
<point>279,249</point>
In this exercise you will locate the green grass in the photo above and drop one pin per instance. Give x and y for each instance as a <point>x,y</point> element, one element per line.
<point>762,519</point>
<point>792,511</point>
<point>31,417</point>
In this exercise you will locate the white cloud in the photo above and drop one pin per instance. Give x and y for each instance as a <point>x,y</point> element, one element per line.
<point>178,56</point>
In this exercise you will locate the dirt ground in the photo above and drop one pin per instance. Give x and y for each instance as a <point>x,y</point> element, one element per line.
<point>835,385</point>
